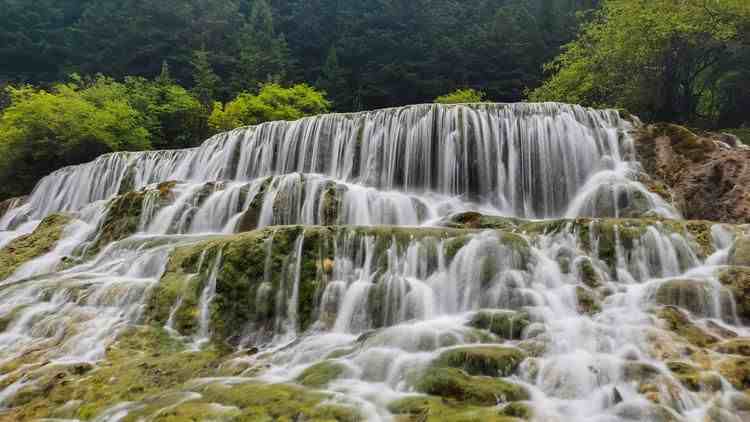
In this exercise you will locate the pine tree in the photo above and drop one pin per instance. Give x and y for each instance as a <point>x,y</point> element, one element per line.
<point>205,79</point>
<point>264,56</point>
<point>165,76</point>
<point>333,79</point>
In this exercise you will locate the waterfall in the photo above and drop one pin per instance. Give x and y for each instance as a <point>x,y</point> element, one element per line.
<point>526,160</point>
<point>396,261</point>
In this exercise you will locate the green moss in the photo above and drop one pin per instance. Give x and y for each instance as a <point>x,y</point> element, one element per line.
<point>475,390</point>
<point>124,214</point>
<point>736,346</point>
<point>693,378</point>
<point>740,252</point>
<point>588,274</point>
<point>737,279</point>
<point>691,295</point>
<point>184,412</point>
<point>278,402</point>
<point>491,361</point>
<point>321,373</point>
<point>684,141</point>
<point>677,322</point>
<point>475,220</point>
<point>505,324</point>
<point>453,245</point>
<point>736,370</point>
<point>251,217</point>
<point>588,303</point>
<point>31,246</point>
<point>436,409</point>
<point>143,362</point>
<point>742,133</point>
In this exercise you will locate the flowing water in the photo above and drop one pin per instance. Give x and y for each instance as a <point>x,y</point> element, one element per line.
<point>391,292</point>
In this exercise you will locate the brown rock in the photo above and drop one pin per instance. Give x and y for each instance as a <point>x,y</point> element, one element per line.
<point>708,177</point>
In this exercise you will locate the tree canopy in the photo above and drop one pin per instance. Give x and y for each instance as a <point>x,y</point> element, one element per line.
<point>364,53</point>
<point>273,102</point>
<point>683,61</point>
<point>461,96</point>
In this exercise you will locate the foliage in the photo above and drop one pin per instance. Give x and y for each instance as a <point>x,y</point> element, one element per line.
<point>273,102</point>
<point>204,78</point>
<point>43,130</point>
<point>173,117</point>
<point>263,55</point>
<point>462,96</point>
<point>364,53</point>
<point>664,59</point>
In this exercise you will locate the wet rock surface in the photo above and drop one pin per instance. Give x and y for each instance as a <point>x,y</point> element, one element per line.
<point>707,178</point>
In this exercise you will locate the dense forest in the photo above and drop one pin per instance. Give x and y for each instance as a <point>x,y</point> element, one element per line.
<point>82,77</point>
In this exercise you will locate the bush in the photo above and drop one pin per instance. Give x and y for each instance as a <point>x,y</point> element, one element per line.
<point>462,96</point>
<point>41,131</point>
<point>273,102</point>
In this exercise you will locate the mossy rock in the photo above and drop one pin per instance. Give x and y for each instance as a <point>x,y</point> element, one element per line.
<point>735,346</point>
<point>143,362</point>
<point>475,220</point>
<point>694,296</point>
<point>321,373</point>
<point>679,323</point>
<point>737,279</point>
<point>684,141</point>
<point>436,409</point>
<point>587,273</point>
<point>740,252</point>
<point>240,307</point>
<point>278,402</point>
<point>587,301</point>
<point>457,385</point>
<point>736,370</point>
<point>42,382</point>
<point>26,248</point>
<point>693,378</point>
<point>638,411</point>
<point>487,360</point>
<point>639,372</point>
<point>124,214</point>
<point>187,411</point>
<point>508,325</point>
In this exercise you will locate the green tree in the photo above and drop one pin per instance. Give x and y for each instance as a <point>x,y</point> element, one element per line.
<point>173,117</point>
<point>205,80</point>
<point>165,76</point>
<point>660,58</point>
<point>41,131</point>
<point>264,55</point>
<point>462,96</point>
<point>333,79</point>
<point>273,102</point>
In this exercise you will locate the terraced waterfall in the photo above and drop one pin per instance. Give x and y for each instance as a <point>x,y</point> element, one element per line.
<point>490,262</point>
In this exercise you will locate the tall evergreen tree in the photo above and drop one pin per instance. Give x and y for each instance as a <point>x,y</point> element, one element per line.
<point>264,55</point>
<point>333,80</point>
<point>165,76</point>
<point>205,80</point>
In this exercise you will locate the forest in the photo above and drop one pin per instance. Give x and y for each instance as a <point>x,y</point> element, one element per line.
<point>83,77</point>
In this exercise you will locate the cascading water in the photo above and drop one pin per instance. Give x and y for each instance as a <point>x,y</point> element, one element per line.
<point>345,266</point>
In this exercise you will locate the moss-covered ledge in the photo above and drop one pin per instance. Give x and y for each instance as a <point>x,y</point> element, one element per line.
<point>256,265</point>
<point>26,248</point>
<point>604,229</point>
